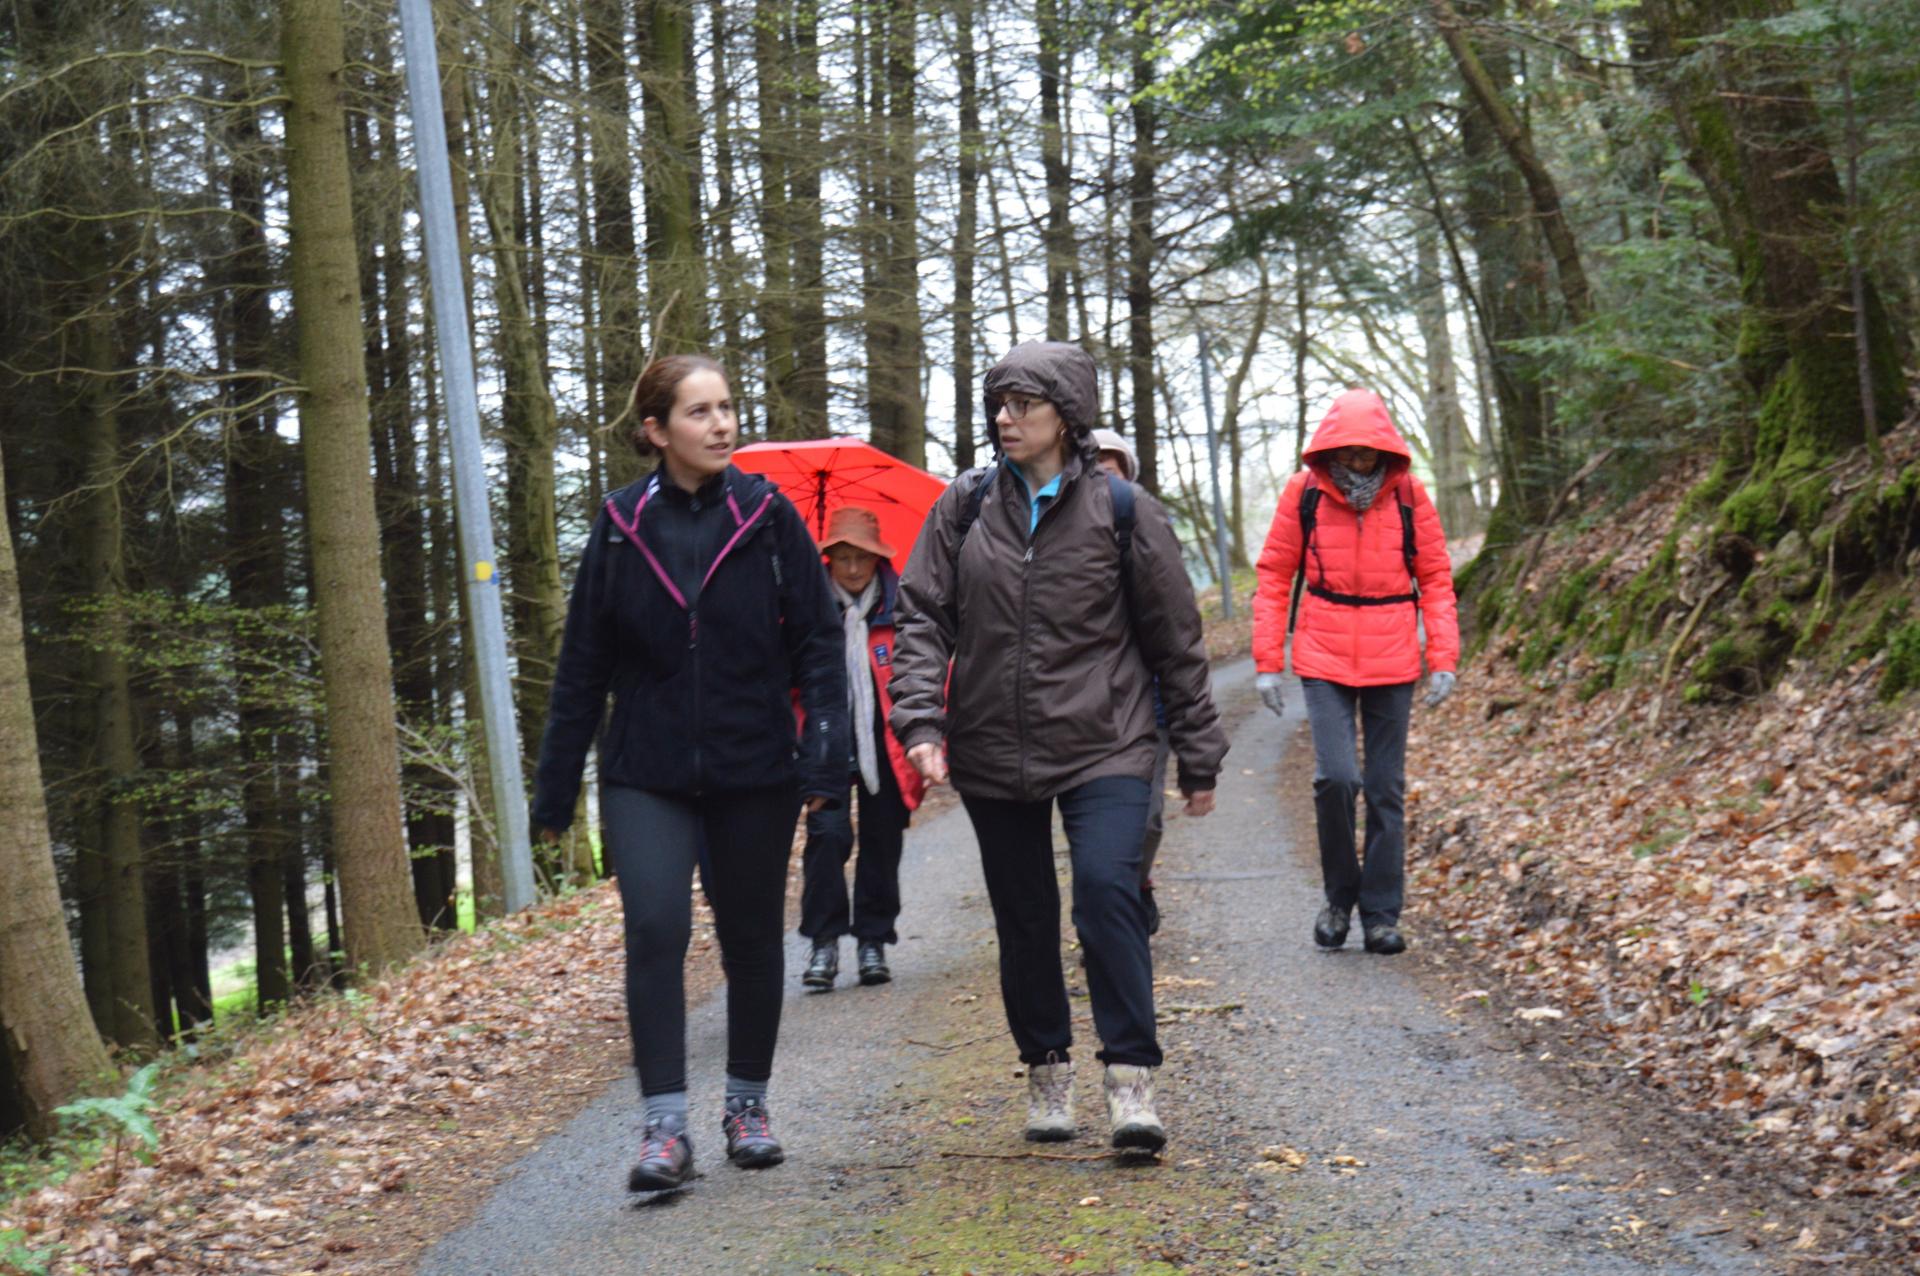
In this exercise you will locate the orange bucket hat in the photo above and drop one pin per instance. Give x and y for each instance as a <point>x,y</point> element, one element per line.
<point>858,527</point>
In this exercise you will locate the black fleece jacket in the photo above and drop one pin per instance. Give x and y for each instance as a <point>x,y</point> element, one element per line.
<point>700,612</point>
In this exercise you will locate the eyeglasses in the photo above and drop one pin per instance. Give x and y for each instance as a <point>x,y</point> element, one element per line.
<point>1017,409</point>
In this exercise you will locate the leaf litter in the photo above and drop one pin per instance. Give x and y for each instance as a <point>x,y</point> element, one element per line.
<point>1721,900</point>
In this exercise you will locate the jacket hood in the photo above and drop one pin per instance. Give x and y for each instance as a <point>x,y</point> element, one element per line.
<point>1058,371</point>
<point>1357,419</point>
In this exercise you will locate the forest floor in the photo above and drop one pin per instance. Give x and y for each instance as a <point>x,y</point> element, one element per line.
<point>1714,903</point>
<point>1659,1018</point>
<point>1330,1112</point>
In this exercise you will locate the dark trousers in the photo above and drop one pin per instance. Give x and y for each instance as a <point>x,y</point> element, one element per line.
<point>1339,778</point>
<point>1156,805</point>
<point>1105,820</point>
<point>825,914</point>
<point>741,841</point>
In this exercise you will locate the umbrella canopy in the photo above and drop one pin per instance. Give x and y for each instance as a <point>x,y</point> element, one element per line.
<point>821,475</point>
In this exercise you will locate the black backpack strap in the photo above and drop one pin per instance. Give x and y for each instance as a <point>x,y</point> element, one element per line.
<point>969,515</point>
<point>1309,512</point>
<point>970,512</point>
<point>1309,507</point>
<point>1408,549</point>
<point>1123,534</point>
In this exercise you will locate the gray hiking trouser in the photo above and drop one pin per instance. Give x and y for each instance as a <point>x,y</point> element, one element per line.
<point>1339,777</point>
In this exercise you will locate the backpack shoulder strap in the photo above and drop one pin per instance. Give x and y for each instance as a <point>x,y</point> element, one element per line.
<point>1123,533</point>
<point>1408,547</point>
<point>1309,512</point>
<point>970,512</point>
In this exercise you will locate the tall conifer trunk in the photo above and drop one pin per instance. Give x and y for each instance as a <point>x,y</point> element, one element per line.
<point>363,761</point>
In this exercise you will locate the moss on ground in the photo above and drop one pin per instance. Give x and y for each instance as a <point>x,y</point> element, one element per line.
<point>1903,661</point>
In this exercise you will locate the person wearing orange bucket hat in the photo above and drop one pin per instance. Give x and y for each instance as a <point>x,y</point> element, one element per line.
<point>889,788</point>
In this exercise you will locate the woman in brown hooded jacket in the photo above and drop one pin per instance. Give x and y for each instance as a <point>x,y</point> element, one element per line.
<point>1041,601</point>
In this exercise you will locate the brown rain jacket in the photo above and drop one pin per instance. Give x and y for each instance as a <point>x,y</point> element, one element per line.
<point>1052,681</point>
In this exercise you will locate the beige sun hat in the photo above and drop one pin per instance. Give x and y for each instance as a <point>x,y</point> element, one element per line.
<point>1105,440</point>
<point>858,527</point>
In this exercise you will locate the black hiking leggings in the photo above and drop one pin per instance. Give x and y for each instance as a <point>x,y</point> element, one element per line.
<point>741,841</point>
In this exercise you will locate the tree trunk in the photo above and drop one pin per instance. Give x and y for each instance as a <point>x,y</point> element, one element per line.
<point>1058,234</point>
<point>1446,425</point>
<point>804,161</point>
<point>1517,139</point>
<point>676,282</point>
<point>1235,401</point>
<point>777,155</point>
<point>1141,187</point>
<point>122,990</point>
<point>810,382</point>
<point>726,209</point>
<point>1755,139</point>
<point>1499,225</point>
<point>52,1048</point>
<point>530,424</point>
<point>363,751</point>
<point>615,273</point>
<point>899,407</point>
<point>966,236</point>
<point>256,576</point>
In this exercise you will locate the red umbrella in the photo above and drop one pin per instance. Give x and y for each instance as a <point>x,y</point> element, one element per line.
<point>821,475</point>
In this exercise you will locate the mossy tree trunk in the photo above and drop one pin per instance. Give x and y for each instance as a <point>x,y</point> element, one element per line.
<point>1754,136</point>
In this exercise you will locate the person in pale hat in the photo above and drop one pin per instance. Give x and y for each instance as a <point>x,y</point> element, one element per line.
<point>889,787</point>
<point>1117,458</point>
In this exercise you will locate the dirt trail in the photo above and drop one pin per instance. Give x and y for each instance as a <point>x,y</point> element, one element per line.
<point>1426,1146</point>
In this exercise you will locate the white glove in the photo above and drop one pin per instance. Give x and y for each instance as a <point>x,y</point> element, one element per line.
<point>1439,687</point>
<point>1272,689</point>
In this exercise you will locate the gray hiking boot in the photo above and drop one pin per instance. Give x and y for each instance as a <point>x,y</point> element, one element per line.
<point>1050,1102</point>
<point>1130,1108</point>
<point>750,1141</point>
<point>666,1158</point>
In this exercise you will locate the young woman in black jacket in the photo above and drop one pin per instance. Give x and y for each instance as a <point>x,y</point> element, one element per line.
<point>700,604</point>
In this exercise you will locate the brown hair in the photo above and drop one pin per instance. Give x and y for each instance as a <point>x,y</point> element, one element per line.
<point>655,391</point>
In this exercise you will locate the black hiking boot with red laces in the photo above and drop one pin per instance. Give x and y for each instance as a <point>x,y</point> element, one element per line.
<point>750,1141</point>
<point>666,1159</point>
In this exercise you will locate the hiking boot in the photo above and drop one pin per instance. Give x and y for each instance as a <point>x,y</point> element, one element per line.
<point>1153,909</point>
<point>1330,927</point>
<point>1385,940</point>
<point>1050,1102</point>
<point>666,1159</point>
<point>822,966</point>
<point>750,1141</point>
<point>1130,1108</point>
<point>873,963</point>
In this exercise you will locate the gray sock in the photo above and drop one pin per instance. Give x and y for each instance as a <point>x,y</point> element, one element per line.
<point>739,1089</point>
<point>669,1108</point>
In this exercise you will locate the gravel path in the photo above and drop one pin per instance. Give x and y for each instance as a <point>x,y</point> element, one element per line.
<point>901,1108</point>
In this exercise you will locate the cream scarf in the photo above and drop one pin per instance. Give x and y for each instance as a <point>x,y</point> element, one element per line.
<point>860,694</point>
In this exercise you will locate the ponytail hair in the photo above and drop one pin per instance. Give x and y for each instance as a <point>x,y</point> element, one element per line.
<point>655,391</point>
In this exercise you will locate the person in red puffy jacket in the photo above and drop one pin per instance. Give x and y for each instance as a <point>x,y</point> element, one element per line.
<point>1357,535</point>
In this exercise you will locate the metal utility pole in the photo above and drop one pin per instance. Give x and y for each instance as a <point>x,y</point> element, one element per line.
<point>480,574</point>
<point>1213,471</point>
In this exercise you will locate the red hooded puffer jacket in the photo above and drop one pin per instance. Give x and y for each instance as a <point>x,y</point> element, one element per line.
<point>1357,554</point>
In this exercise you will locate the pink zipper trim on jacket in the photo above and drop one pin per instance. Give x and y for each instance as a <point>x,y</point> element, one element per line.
<point>632,531</point>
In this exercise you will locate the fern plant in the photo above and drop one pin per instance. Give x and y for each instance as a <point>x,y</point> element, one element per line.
<point>122,1117</point>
